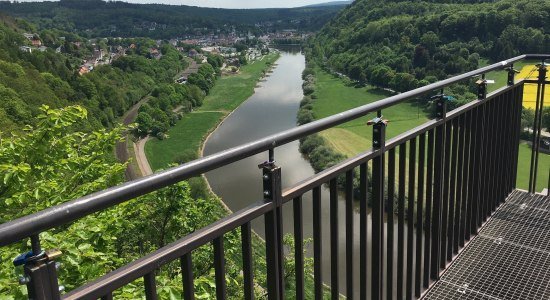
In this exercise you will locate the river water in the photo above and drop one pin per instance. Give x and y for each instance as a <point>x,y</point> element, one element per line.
<point>271,109</point>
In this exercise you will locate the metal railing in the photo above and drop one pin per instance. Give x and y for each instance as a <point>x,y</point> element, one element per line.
<point>461,166</point>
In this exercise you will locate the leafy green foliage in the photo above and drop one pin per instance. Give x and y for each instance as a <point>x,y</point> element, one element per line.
<point>398,44</point>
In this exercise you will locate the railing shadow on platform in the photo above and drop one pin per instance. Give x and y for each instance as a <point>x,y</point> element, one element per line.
<point>446,177</point>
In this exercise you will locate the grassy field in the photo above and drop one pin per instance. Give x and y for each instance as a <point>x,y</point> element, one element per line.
<point>189,133</point>
<point>354,137</point>
<point>528,70</point>
<point>186,135</point>
<point>524,164</point>
<point>333,96</point>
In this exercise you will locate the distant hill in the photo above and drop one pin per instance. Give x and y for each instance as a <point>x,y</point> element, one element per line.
<point>114,18</point>
<point>405,44</point>
<point>332,3</point>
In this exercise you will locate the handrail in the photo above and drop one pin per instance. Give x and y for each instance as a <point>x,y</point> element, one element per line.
<point>15,230</point>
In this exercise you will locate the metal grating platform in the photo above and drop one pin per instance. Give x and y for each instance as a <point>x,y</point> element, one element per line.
<point>509,259</point>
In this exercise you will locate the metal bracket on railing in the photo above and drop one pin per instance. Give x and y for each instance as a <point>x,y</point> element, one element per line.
<point>542,72</point>
<point>273,228</point>
<point>40,274</point>
<point>482,87</point>
<point>378,131</point>
<point>511,74</point>
<point>440,104</point>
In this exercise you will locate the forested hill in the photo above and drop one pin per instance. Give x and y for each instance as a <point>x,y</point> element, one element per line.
<point>398,44</point>
<point>120,19</point>
<point>124,72</point>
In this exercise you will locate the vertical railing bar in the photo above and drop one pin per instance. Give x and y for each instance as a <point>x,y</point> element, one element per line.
<point>150,286</point>
<point>248,274</point>
<point>485,182</point>
<point>378,165</point>
<point>219,267</point>
<point>509,120</point>
<point>419,215</point>
<point>519,93</point>
<point>109,296</point>
<point>349,234</point>
<point>334,240</point>
<point>438,191</point>
<point>496,159</point>
<point>492,161</point>
<point>460,173</point>
<point>390,224</point>
<point>506,107</point>
<point>428,222</point>
<point>474,173</point>
<point>466,187</point>
<point>481,169</point>
<point>299,247</point>
<point>445,197</point>
<point>401,220</point>
<point>273,229</point>
<point>186,265</point>
<point>537,126</point>
<point>542,80</point>
<point>503,134</point>
<point>317,244</point>
<point>410,217</point>
<point>452,190</point>
<point>363,231</point>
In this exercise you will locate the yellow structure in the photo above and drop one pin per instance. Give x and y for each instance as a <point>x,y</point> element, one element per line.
<point>530,90</point>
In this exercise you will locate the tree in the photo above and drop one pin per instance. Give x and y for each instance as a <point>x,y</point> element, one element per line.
<point>48,165</point>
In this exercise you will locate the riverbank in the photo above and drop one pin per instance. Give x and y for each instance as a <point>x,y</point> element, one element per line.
<point>187,136</point>
<point>333,96</point>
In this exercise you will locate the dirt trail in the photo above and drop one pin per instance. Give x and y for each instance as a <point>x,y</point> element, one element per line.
<point>141,158</point>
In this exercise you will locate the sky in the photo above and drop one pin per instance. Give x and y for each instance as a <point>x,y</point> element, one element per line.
<point>230,3</point>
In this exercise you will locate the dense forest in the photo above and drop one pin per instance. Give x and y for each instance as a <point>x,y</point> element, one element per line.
<point>405,44</point>
<point>93,18</point>
<point>29,80</point>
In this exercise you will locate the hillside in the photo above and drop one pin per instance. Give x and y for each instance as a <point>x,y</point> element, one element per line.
<point>58,68</point>
<point>96,18</point>
<point>404,44</point>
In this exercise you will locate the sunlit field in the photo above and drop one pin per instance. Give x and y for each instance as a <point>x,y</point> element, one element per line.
<point>530,90</point>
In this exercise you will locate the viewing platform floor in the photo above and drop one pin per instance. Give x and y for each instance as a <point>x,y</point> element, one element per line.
<point>509,259</point>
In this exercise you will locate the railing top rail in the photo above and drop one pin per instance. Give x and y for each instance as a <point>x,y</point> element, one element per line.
<point>24,227</point>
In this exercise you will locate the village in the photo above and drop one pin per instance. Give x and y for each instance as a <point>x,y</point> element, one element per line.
<point>235,48</point>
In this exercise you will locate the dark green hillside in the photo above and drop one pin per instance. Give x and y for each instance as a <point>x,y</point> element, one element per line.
<point>404,44</point>
<point>99,18</point>
<point>49,77</point>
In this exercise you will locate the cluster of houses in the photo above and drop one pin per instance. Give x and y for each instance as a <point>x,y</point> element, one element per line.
<point>34,44</point>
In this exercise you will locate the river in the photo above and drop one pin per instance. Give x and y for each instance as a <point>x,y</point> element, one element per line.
<point>272,109</point>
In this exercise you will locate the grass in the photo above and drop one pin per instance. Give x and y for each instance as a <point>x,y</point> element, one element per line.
<point>527,71</point>
<point>186,137</point>
<point>230,91</point>
<point>353,137</point>
<point>524,164</point>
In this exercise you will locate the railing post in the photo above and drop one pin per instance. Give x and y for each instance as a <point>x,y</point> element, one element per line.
<point>273,229</point>
<point>481,88</point>
<point>378,143</point>
<point>511,74</point>
<point>537,126</point>
<point>441,112</point>
<point>40,271</point>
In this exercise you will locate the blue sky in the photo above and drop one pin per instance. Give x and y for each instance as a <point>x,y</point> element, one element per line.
<point>230,3</point>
